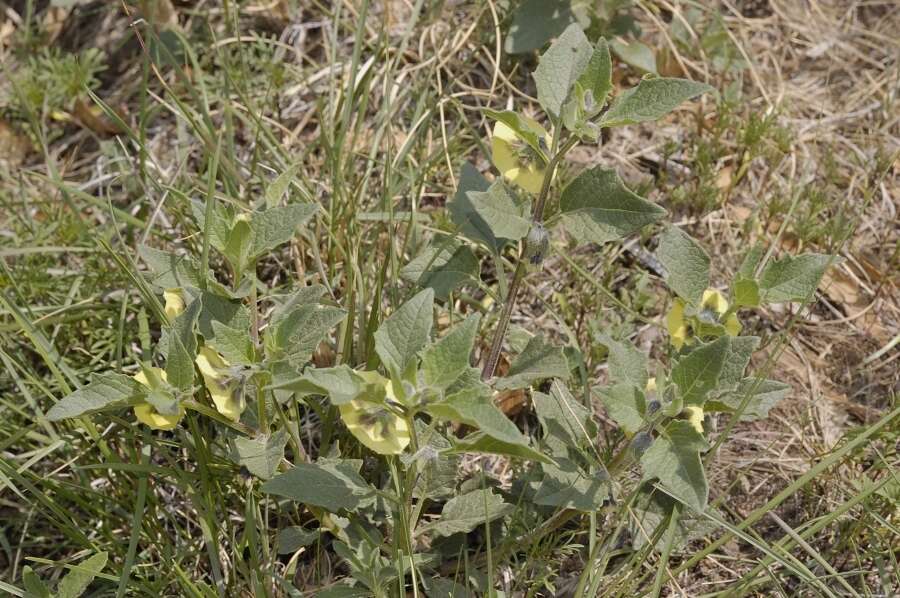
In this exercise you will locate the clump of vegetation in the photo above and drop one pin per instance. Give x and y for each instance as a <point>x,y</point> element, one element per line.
<point>309,377</point>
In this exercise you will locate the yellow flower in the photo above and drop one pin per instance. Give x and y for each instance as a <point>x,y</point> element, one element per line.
<point>714,300</point>
<point>518,162</point>
<point>174,302</point>
<point>226,396</point>
<point>676,325</point>
<point>148,415</point>
<point>651,385</point>
<point>371,422</point>
<point>695,416</point>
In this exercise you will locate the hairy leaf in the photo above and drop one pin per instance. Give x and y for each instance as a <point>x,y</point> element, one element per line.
<point>405,332</point>
<point>103,392</point>
<point>674,459</point>
<point>686,263</point>
<point>653,98</point>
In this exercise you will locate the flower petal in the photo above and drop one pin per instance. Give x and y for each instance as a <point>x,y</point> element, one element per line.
<point>174,302</point>
<point>226,396</point>
<point>148,416</point>
<point>676,325</point>
<point>376,427</point>
<point>714,300</point>
<point>695,416</point>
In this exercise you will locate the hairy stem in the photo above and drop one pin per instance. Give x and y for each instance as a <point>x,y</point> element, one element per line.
<point>537,217</point>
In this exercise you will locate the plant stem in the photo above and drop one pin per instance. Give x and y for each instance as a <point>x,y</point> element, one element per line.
<point>537,217</point>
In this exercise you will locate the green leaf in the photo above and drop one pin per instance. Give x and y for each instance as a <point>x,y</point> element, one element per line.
<point>626,362</point>
<point>637,55</point>
<point>170,271</point>
<point>239,246</point>
<point>499,211</point>
<point>332,485</point>
<point>340,384</point>
<point>589,94</point>
<point>764,394</point>
<point>293,538</point>
<point>674,459</point>
<point>746,292</point>
<point>479,411</point>
<point>481,442</point>
<point>568,487</point>
<point>794,278</point>
<point>560,67</point>
<point>183,347</point>
<point>226,311</point>
<point>651,510</point>
<point>273,227</point>
<point>565,422</point>
<point>77,580</point>
<point>444,361</point>
<point>686,263</point>
<point>263,454</point>
<point>653,98</point>
<point>750,261</point>
<point>697,373</point>
<point>103,392</point>
<point>219,227</point>
<point>597,207</point>
<point>539,360</point>
<point>405,332</point>
<point>443,267</point>
<point>463,213</point>
<point>625,404</point>
<point>34,587</point>
<point>739,353</point>
<point>234,345</point>
<point>436,470</point>
<point>297,334</point>
<point>462,514</point>
<point>535,22</point>
<point>277,188</point>
<point>284,306</point>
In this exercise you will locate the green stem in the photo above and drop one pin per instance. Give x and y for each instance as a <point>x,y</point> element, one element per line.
<point>537,217</point>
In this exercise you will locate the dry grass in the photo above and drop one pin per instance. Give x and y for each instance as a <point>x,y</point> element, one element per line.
<point>825,73</point>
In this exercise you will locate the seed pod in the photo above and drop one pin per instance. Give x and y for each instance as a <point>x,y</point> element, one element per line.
<point>537,243</point>
<point>653,406</point>
<point>640,443</point>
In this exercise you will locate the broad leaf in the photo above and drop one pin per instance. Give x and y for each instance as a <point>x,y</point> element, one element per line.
<point>764,394</point>
<point>34,587</point>
<point>340,384</point>
<point>686,264</point>
<point>233,344</point>
<point>405,332</point>
<point>261,455</point>
<point>220,223</point>
<point>560,67</point>
<point>626,362</point>
<point>332,485</point>
<point>653,98</point>
<point>739,353</point>
<point>597,207</point>
<point>103,392</point>
<point>567,486</point>
<point>239,246</point>
<point>651,510</point>
<point>462,514</point>
<point>277,188</point>
<point>443,267</point>
<point>480,442</point>
<point>746,292</point>
<point>794,278</point>
<point>697,373</point>
<point>183,347</point>
<point>77,580</point>
<point>535,22</point>
<point>445,360</point>
<point>436,470</point>
<point>674,459</point>
<point>625,404</point>
<point>297,334</point>
<point>226,311</point>
<point>566,423</point>
<point>273,227</point>
<point>496,207</point>
<point>637,55</point>
<point>463,213</point>
<point>539,360</point>
<point>589,94</point>
<point>293,538</point>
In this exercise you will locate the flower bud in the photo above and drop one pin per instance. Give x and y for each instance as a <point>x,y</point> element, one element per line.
<point>537,243</point>
<point>640,443</point>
